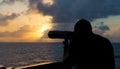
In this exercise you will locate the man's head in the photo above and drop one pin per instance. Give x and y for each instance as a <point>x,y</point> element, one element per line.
<point>83,26</point>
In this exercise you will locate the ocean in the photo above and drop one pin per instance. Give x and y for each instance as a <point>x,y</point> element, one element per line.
<point>21,54</point>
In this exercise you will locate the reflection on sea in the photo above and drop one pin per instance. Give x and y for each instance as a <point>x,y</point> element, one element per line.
<point>23,54</point>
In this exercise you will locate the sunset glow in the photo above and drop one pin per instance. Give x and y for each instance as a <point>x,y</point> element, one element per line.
<point>30,20</point>
<point>23,25</point>
<point>30,27</point>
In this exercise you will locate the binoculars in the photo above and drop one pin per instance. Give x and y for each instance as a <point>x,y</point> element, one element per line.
<point>56,34</point>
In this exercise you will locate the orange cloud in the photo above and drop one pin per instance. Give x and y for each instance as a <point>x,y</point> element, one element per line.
<point>22,22</point>
<point>28,27</point>
<point>48,2</point>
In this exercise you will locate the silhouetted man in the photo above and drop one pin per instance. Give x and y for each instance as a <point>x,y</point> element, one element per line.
<point>88,50</point>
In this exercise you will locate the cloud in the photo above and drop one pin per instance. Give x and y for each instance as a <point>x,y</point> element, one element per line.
<point>24,17</point>
<point>67,11</point>
<point>100,28</point>
<point>103,27</point>
<point>26,25</point>
<point>109,29</point>
<point>26,33</point>
<point>9,7</point>
<point>3,19</point>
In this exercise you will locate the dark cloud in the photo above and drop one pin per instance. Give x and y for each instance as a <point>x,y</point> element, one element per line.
<point>103,27</point>
<point>71,10</point>
<point>8,17</point>
<point>32,2</point>
<point>4,18</point>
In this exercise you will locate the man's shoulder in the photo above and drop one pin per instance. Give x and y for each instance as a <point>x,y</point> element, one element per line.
<point>99,37</point>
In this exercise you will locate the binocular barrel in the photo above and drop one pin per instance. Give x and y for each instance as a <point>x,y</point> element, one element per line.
<point>59,34</point>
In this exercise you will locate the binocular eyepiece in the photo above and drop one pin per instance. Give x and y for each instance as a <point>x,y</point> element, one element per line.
<point>59,34</point>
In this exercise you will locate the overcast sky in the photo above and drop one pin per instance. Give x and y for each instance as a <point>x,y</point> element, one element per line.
<point>30,20</point>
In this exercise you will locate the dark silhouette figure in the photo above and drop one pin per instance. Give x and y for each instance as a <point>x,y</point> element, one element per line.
<point>88,50</point>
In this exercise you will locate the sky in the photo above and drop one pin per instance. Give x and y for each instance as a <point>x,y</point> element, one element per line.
<point>31,20</point>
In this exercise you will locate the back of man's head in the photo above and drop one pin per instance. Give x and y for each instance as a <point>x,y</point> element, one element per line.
<point>83,26</point>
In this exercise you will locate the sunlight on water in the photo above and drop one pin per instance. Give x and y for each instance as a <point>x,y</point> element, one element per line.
<point>32,65</point>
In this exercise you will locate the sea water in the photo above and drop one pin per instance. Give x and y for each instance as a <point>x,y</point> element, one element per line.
<point>20,54</point>
<point>116,47</point>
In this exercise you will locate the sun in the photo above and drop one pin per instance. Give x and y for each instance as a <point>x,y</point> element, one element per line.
<point>38,32</point>
<point>44,28</point>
